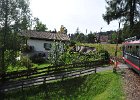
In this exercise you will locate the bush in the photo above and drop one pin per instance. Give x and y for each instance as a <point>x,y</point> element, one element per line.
<point>72,43</point>
<point>38,58</point>
<point>25,61</point>
<point>27,48</point>
<point>104,55</point>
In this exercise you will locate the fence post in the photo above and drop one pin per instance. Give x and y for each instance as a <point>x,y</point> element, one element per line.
<point>62,77</point>
<point>22,89</point>
<point>48,70</point>
<point>44,80</point>
<point>80,72</point>
<point>95,69</point>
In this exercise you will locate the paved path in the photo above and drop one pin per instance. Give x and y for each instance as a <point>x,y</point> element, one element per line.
<point>121,66</point>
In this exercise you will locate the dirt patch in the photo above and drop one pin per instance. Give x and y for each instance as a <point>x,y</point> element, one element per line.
<point>131,85</point>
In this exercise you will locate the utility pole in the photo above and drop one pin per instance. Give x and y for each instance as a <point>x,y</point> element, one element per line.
<point>99,35</point>
<point>116,51</point>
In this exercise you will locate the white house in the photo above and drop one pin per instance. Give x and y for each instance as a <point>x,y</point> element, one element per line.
<point>42,42</point>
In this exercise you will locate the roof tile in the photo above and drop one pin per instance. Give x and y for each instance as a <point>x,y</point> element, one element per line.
<point>45,35</point>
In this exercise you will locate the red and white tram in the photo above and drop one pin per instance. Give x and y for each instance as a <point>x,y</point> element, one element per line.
<point>131,53</point>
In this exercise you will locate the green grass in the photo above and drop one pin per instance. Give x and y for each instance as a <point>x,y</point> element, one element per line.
<point>20,68</point>
<point>41,65</point>
<point>111,48</point>
<point>100,86</point>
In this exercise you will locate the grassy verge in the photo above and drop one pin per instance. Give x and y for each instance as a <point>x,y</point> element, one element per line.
<point>100,86</point>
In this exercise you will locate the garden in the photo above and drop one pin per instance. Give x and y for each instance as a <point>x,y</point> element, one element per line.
<point>100,86</point>
<point>58,57</point>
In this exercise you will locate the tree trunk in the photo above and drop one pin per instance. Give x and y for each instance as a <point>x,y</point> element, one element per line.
<point>4,38</point>
<point>132,4</point>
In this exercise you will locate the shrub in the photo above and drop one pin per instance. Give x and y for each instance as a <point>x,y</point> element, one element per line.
<point>25,61</point>
<point>72,43</point>
<point>38,58</point>
<point>27,48</point>
<point>104,55</point>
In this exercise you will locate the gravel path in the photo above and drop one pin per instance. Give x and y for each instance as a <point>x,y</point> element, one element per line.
<point>131,85</point>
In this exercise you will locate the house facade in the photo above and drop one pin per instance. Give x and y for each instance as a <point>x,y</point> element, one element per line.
<point>43,42</point>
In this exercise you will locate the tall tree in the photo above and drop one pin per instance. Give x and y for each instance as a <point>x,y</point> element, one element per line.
<point>126,10</point>
<point>91,38</point>
<point>39,25</point>
<point>63,30</point>
<point>12,13</point>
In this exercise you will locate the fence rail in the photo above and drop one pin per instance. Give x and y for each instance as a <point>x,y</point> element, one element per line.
<point>38,76</point>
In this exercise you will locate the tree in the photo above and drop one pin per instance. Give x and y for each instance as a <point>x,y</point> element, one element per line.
<point>77,30</point>
<point>78,36</point>
<point>63,30</point>
<point>13,13</point>
<point>126,10</point>
<point>91,38</point>
<point>39,25</point>
<point>81,38</point>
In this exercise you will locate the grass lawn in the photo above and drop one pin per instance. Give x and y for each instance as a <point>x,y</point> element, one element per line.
<point>100,86</point>
<point>19,68</point>
<point>111,48</point>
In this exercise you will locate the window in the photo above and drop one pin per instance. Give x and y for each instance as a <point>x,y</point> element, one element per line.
<point>47,46</point>
<point>137,51</point>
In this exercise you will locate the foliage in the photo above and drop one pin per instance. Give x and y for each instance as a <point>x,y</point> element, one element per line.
<point>126,33</point>
<point>127,11</point>
<point>12,21</point>
<point>25,61</point>
<point>61,54</point>
<point>71,56</point>
<point>56,51</point>
<point>72,43</point>
<point>101,86</point>
<point>116,37</point>
<point>82,38</point>
<point>38,58</point>
<point>78,36</point>
<point>26,48</point>
<point>39,25</point>
<point>91,38</point>
<point>63,30</point>
<point>104,55</point>
<point>113,38</point>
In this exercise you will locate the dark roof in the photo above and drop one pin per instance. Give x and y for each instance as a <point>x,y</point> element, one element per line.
<point>45,35</point>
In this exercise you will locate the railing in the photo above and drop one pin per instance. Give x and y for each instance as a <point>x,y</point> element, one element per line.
<point>38,76</point>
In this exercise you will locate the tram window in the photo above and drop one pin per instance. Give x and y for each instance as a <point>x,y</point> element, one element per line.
<point>137,51</point>
<point>127,49</point>
<point>130,49</point>
<point>134,51</point>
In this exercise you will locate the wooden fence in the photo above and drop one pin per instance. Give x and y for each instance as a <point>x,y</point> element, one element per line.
<point>38,76</point>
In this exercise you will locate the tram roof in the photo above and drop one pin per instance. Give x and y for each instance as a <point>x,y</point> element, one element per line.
<point>132,42</point>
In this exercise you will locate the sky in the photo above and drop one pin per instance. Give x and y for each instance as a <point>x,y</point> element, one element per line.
<point>84,14</point>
